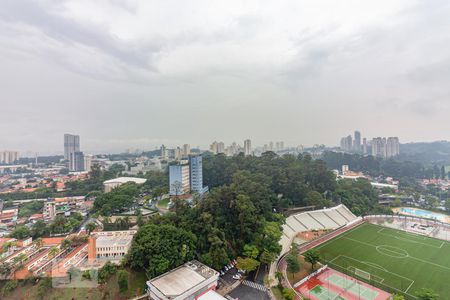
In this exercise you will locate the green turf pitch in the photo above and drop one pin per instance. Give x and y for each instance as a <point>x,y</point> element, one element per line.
<point>393,260</point>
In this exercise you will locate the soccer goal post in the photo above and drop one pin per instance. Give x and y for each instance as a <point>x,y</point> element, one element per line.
<point>362,274</point>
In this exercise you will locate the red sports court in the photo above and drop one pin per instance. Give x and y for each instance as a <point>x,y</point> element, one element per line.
<point>333,285</point>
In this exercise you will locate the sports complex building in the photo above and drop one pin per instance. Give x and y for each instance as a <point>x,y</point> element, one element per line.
<point>369,257</point>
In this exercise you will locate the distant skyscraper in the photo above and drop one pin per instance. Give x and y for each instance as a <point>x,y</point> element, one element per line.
<point>76,161</point>
<point>178,153</point>
<point>186,150</point>
<point>347,143</point>
<point>247,147</point>
<point>213,147</point>
<point>379,147</point>
<point>271,146</point>
<point>357,142</point>
<point>71,145</point>
<point>392,147</point>
<point>88,162</point>
<point>364,146</point>
<point>220,147</point>
<point>196,173</point>
<point>164,152</point>
<point>9,157</point>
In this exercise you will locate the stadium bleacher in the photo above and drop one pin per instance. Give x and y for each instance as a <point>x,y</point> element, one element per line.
<point>336,217</point>
<point>346,213</point>
<point>328,218</point>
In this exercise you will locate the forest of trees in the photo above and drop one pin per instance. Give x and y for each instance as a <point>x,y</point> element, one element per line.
<point>387,167</point>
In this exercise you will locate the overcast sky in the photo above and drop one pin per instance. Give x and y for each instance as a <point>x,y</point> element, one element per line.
<point>136,74</point>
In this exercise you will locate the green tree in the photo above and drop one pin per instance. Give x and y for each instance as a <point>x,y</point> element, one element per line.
<point>267,257</point>
<point>251,251</point>
<point>106,271</point>
<point>247,264</point>
<point>20,232</point>
<point>293,265</point>
<point>39,229</point>
<point>91,226</point>
<point>5,268</point>
<point>288,294</point>
<point>9,286</point>
<point>398,297</point>
<point>122,280</point>
<point>53,252</point>
<point>158,249</point>
<point>312,256</point>
<point>426,294</point>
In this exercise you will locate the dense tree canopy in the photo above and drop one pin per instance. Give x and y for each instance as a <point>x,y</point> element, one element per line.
<point>388,167</point>
<point>119,199</point>
<point>157,249</point>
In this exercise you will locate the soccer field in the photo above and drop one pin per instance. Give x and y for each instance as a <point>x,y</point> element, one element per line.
<point>393,260</point>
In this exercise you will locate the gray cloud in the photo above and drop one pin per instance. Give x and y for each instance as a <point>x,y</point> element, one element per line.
<point>67,31</point>
<point>139,73</point>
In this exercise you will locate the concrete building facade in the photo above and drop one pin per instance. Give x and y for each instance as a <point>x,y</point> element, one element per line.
<point>196,173</point>
<point>179,179</point>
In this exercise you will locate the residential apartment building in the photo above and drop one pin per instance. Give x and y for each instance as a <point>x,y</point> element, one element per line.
<point>88,162</point>
<point>196,173</point>
<point>9,157</point>
<point>186,150</point>
<point>76,161</point>
<point>71,145</point>
<point>392,147</point>
<point>357,141</point>
<point>179,178</point>
<point>65,206</point>
<point>247,147</point>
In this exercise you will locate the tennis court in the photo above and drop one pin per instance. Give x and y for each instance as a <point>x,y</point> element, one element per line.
<point>333,285</point>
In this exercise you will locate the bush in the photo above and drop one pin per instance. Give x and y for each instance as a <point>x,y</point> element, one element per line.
<point>86,275</point>
<point>122,280</point>
<point>9,287</point>
<point>106,271</point>
<point>288,294</point>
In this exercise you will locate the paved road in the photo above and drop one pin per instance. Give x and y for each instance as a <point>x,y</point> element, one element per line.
<point>248,290</point>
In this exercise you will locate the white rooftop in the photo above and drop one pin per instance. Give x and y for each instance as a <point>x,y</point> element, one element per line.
<point>125,180</point>
<point>211,295</point>
<point>113,241</point>
<point>182,279</point>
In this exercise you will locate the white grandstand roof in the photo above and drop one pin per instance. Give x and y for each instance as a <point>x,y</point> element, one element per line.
<point>125,180</point>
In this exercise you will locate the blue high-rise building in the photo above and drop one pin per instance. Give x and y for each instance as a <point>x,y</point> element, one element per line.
<point>196,176</point>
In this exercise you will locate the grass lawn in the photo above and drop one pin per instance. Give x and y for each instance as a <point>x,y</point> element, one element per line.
<point>397,261</point>
<point>164,203</point>
<point>277,293</point>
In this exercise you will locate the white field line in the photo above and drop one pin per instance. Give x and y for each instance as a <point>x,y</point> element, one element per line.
<point>361,262</point>
<point>409,286</point>
<point>410,240</point>
<point>405,292</point>
<point>339,236</point>
<point>409,256</point>
<point>382,248</point>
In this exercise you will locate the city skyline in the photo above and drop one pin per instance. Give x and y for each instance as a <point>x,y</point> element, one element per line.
<point>275,72</point>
